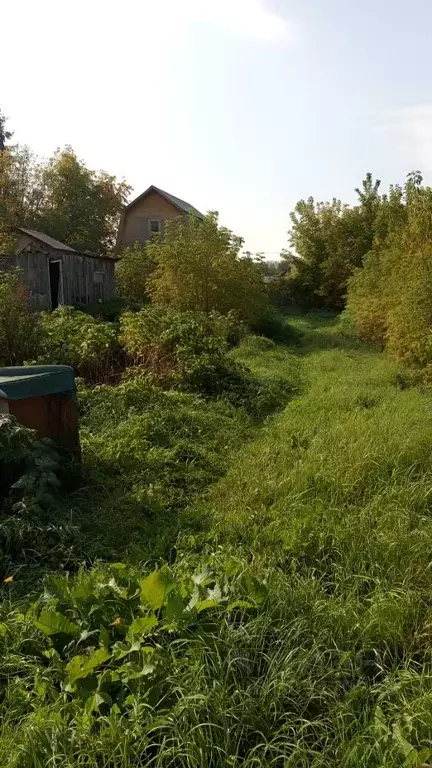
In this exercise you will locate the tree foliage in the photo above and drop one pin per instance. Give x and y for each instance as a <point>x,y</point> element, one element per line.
<point>391,298</point>
<point>19,323</point>
<point>4,134</point>
<point>61,197</point>
<point>80,207</point>
<point>330,240</point>
<point>199,267</point>
<point>132,273</point>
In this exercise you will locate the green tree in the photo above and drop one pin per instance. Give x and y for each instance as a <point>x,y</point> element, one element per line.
<point>391,297</point>
<point>132,273</point>
<point>21,184</point>
<point>330,240</point>
<point>4,134</point>
<point>61,197</point>
<point>79,206</point>
<point>199,267</point>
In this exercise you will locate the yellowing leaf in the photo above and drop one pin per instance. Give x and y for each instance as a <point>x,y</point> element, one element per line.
<point>244,604</point>
<point>156,587</point>
<point>141,627</point>
<point>204,605</point>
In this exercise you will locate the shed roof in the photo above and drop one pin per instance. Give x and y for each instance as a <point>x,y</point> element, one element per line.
<point>46,239</point>
<point>182,205</point>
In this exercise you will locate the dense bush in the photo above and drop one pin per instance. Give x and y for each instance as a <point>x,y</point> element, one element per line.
<point>188,350</point>
<point>229,326</point>
<point>331,239</point>
<point>30,531</point>
<point>133,270</point>
<point>19,323</point>
<point>199,268</point>
<point>109,310</point>
<point>155,449</point>
<point>89,345</point>
<point>391,297</point>
<point>170,343</point>
<point>123,652</point>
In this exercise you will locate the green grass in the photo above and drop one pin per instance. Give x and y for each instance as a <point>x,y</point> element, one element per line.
<point>321,528</point>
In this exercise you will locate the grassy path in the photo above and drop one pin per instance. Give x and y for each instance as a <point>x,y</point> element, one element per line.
<point>334,498</point>
<point>316,650</point>
<point>349,459</point>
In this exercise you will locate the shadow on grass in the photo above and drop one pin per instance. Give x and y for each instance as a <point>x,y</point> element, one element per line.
<point>319,331</point>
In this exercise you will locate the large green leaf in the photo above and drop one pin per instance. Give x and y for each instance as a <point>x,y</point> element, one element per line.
<point>204,605</point>
<point>174,608</point>
<point>141,627</point>
<point>156,587</point>
<point>53,623</point>
<point>82,666</point>
<point>256,590</point>
<point>212,599</point>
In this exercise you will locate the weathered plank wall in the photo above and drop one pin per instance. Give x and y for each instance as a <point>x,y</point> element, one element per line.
<point>86,279</point>
<point>35,267</point>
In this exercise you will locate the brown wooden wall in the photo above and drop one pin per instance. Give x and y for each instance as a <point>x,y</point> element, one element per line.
<point>135,223</point>
<point>86,280</point>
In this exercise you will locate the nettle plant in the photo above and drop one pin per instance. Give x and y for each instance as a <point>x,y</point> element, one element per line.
<point>113,637</point>
<point>28,467</point>
<point>29,490</point>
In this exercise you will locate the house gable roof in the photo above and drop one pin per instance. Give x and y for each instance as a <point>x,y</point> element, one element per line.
<point>45,239</point>
<point>181,205</point>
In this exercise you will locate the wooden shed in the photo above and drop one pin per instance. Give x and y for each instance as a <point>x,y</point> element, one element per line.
<point>57,274</point>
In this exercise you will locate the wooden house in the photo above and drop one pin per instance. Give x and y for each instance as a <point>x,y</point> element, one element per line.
<point>145,216</point>
<point>57,274</point>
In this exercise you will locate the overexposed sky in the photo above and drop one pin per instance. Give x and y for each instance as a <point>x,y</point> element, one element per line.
<point>243,106</point>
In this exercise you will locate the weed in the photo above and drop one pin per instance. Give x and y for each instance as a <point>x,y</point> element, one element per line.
<point>292,623</point>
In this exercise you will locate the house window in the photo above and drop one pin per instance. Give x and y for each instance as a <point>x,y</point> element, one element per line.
<point>155,226</point>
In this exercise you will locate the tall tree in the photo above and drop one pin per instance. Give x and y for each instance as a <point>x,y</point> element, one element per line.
<point>80,207</point>
<point>4,134</point>
<point>61,197</point>
<point>330,240</point>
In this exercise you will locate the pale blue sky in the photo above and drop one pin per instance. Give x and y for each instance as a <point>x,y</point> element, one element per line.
<point>243,106</point>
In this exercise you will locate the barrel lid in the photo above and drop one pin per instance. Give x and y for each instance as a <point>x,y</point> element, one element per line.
<point>19,382</point>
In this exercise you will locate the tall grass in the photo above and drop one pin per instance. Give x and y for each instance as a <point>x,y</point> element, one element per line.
<point>323,526</point>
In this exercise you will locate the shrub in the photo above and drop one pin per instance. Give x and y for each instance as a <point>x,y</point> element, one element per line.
<point>199,268</point>
<point>229,326</point>
<point>109,310</point>
<point>169,343</point>
<point>367,302</point>
<point>90,346</point>
<point>29,488</point>
<point>133,271</point>
<point>347,324</point>
<point>188,350</point>
<point>164,445</point>
<point>19,323</point>
<point>409,308</point>
<point>275,326</point>
<point>391,297</point>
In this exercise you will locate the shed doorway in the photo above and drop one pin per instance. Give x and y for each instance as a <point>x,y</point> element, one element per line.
<point>56,283</point>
